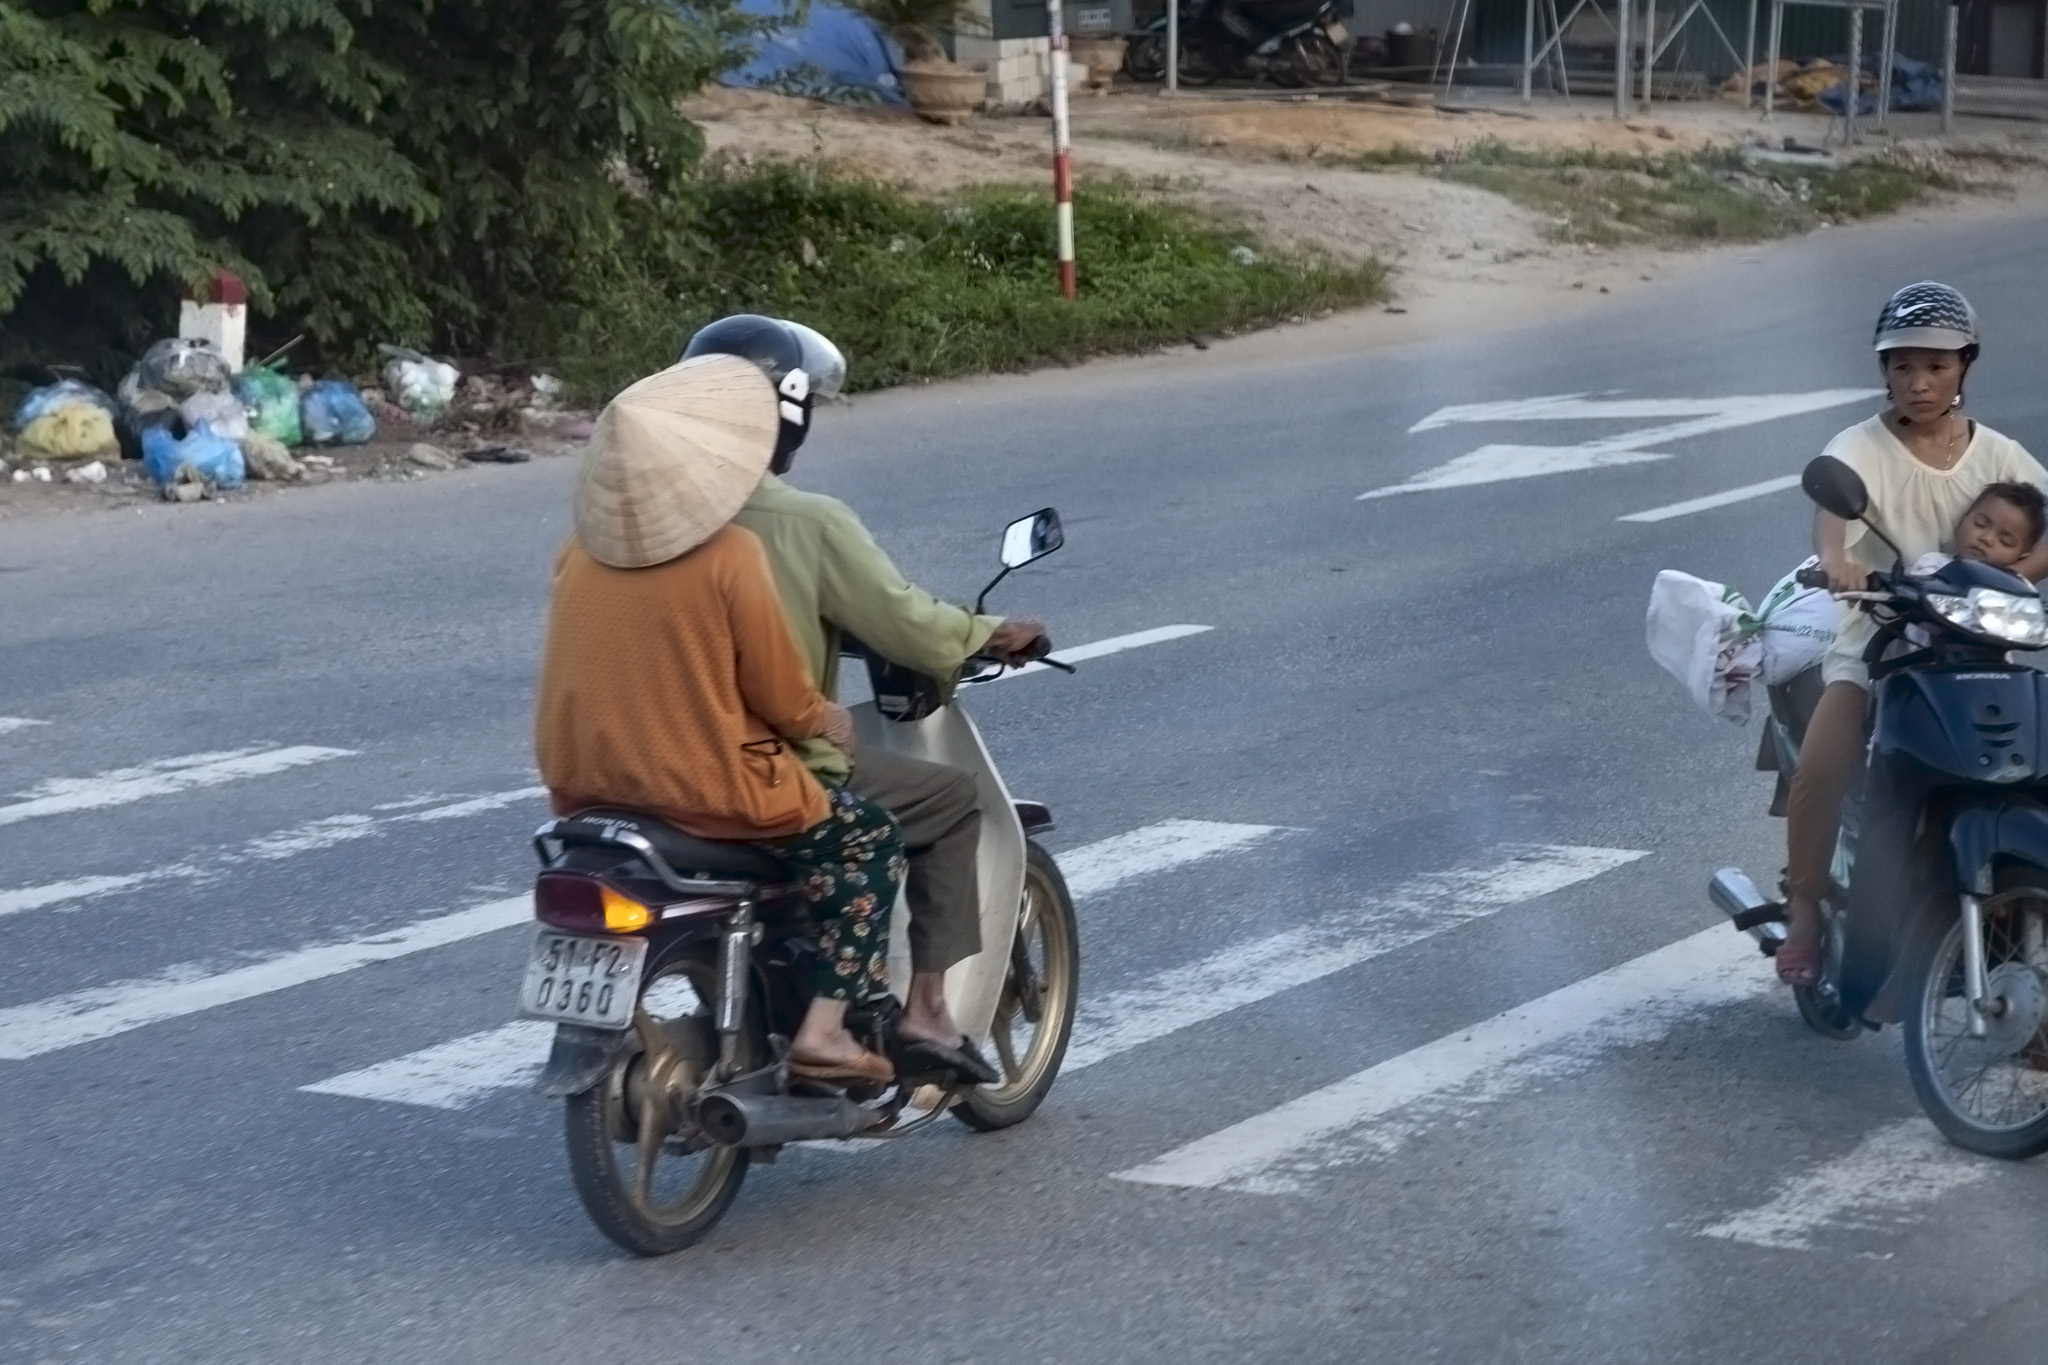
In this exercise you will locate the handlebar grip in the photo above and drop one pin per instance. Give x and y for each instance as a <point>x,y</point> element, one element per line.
<point>1815,577</point>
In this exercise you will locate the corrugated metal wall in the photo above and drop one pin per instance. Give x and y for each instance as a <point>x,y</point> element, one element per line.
<point>1809,32</point>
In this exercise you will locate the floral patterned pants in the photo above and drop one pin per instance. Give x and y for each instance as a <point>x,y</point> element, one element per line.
<point>848,865</point>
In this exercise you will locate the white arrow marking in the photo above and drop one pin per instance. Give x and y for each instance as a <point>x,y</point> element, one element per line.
<point>1497,463</point>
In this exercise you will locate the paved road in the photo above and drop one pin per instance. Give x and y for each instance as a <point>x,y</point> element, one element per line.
<point>1490,1083</point>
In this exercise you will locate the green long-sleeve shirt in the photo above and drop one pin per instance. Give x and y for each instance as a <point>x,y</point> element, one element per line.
<point>833,578</point>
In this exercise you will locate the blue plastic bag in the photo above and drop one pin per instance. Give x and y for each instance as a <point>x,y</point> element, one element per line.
<point>332,413</point>
<point>46,400</point>
<point>214,458</point>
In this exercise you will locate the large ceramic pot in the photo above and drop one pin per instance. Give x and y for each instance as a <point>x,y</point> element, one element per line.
<point>1102,56</point>
<point>943,92</point>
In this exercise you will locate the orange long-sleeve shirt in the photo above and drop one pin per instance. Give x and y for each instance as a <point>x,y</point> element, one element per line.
<point>670,690</point>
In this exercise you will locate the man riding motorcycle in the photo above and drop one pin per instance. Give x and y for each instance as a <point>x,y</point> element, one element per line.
<point>835,581</point>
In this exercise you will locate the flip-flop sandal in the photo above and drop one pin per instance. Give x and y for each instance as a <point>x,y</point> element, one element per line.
<point>963,1059</point>
<point>869,1067</point>
<point>1798,964</point>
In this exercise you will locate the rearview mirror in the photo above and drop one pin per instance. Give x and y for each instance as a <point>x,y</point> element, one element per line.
<point>1032,537</point>
<point>1835,488</point>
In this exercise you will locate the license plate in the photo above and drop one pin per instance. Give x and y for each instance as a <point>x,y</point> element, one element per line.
<point>589,981</point>
<point>1338,33</point>
<point>1094,20</point>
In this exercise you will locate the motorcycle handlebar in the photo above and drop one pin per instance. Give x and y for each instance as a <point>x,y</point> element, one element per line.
<point>1817,577</point>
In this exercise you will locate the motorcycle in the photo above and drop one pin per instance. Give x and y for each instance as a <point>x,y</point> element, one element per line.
<point>1296,42</point>
<point>1936,916</point>
<point>674,969</point>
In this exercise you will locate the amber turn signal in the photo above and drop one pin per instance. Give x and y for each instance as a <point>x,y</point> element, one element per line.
<point>569,900</point>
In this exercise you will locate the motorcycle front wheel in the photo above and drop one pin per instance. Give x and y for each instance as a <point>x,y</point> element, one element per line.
<point>648,1180</point>
<point>1988,1095</point>
<point>1035,1014</point>
<point>1311,59</point>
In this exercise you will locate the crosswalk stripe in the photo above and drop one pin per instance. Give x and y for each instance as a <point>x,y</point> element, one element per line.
<point>307,838</point>
<point>123,786</point>
<point>1162,1004</point>
<point>1095,868</point>
<point>99,1012</point>
<point>1639,1001</point>
<point>1115,644</point>
<point>1899,1168</point>
<point>454,1074</point>
<point>9,724</point>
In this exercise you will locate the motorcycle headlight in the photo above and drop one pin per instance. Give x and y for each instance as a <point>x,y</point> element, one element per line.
<point>2002,616</point>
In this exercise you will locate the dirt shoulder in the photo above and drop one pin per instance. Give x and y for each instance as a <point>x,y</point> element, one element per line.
<point>1463,257</point>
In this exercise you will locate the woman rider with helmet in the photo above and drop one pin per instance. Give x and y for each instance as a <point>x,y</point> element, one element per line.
<point>1924,463</point>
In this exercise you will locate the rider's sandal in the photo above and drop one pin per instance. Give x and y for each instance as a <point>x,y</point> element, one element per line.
<point>868,1066</point>
<point>1798,964</point>
<point>963,1059</point>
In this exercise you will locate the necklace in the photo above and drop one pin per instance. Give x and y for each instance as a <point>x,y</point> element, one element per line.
<point>1950,454</point>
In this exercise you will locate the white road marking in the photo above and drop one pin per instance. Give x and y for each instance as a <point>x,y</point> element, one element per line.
<point>1363,1115</point>
<point>1897,1170</point>
<point>454,1074</point>
<point>1713,500</point>
<point>1495,463</point>
<point>306,838</point>
<point>99,1012</point>
<point>1094,868</point>
<point>1115,1023</point>
<point>1115,644</point>
<point>123,786</point>
<point>9,724</point>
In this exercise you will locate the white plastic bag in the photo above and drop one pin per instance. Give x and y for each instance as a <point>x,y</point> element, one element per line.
<point>1698,634</point>
<point>421,386</point>
<point>221,411</point>
<point>1796,625</point>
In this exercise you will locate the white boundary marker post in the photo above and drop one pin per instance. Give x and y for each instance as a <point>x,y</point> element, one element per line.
<point>1062,162</point>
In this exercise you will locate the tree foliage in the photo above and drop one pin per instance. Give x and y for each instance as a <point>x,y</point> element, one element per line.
<point>455,173</point>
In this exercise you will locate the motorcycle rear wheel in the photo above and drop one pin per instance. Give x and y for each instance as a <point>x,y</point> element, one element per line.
<point>1311,59</point>
<point>1145,60</point>
<point>1040,992</point>
<point>1987,1095</point>
<point>643,1181</point>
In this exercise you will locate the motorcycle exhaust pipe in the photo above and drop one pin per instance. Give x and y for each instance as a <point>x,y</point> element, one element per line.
<point>771,1120</point>
<point>1736,896</point>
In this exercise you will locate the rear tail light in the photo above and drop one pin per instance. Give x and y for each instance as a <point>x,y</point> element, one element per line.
<point>569,900</point>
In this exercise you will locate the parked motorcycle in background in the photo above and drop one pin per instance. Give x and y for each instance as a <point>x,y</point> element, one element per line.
<point>675,969</point>
<point>1295,42</point>
<point>1936,916</point>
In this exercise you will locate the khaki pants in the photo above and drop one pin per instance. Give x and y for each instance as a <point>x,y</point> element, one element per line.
<point>939,809</point>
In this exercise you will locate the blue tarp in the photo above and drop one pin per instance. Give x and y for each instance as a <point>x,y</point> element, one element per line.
<point>834,54</point>
<point>1915,85</point>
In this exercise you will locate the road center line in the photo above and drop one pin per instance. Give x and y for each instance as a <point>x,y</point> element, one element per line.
<point>1112,1024</point>
<point>1637,1002</point>
<point>1901,1167</point>
<point>1713,500</point>
<point>124,786</point>
<point>9,724</point>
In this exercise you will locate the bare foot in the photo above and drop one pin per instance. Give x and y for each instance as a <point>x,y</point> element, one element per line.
<point>1798,957</point>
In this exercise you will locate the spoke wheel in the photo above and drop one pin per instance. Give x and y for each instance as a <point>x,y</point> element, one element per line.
<point>648,1179</point>
<point>1035,1015</point>
<point>1987,1094</point>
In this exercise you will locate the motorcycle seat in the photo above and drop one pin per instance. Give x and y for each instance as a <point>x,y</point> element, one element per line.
<point>686,853</point>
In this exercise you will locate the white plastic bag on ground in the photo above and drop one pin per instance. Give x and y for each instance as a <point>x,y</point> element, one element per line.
<point>421,386</point>
<point>1697,633</point>
<point>1796,625</point>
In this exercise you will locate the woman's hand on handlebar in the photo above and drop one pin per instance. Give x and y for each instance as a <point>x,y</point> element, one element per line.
<point>1844,575</point>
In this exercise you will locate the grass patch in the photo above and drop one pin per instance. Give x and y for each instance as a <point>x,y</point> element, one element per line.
<point>916,289</point>
<point>1685,198</point>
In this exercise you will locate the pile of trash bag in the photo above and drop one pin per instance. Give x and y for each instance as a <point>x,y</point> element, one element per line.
<point>64,422</point>
<point>1708,637</point>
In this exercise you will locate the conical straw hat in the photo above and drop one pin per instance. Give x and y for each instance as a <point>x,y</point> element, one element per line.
<point>672,459</point>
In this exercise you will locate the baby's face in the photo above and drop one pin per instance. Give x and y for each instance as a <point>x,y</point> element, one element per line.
<point>1995,532</point>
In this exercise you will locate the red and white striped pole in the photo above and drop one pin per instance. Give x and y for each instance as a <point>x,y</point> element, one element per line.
<point>1062,163</point>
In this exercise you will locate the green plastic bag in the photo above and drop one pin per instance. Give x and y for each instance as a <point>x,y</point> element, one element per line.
<point>273,403</point>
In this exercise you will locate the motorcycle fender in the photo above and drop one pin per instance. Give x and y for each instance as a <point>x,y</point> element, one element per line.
<point>580,1058</point>
<point>1980,835</point>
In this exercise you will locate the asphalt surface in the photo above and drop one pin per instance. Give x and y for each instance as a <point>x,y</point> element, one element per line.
<point>1655,1163</point>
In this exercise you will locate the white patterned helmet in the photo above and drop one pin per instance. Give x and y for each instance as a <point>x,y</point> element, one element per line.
<point>1928,315</point>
